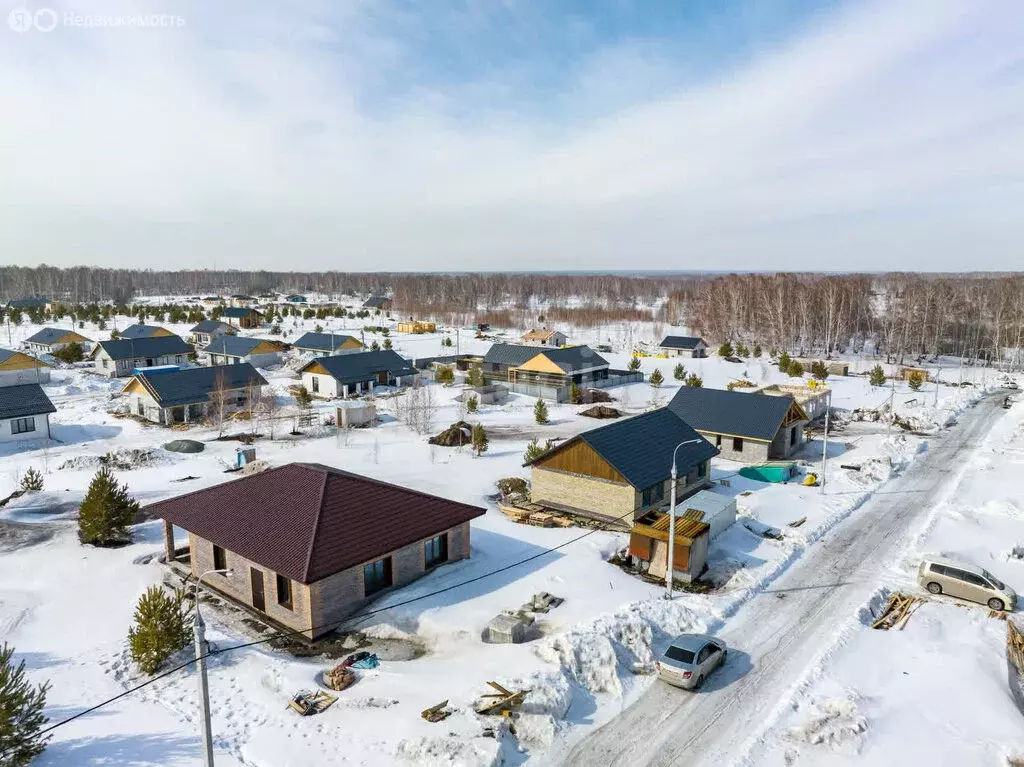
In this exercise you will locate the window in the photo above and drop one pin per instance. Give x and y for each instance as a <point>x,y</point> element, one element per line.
<point>718,440</point>
<point>220,559</point>
<point>316,383</point>
<point>937,569</point>
<point>702,469</point>
<point>737,444</point>
<point>284,591</point>
<point>704,654</point>
<point>376,576</point>
<point>103,362</point>
<point>435,550</point>
<point>653,494</point>
<point>141,408</point>
<point>679,654</point>
<point>23,425</point>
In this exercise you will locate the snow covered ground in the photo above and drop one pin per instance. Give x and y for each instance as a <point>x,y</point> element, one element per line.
<point>935,692</point>
<point>67,608</point>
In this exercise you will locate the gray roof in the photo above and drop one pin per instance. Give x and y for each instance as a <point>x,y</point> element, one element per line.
<point>135,348</point>
<point>511,355</point>
<point>572,358</point>
<point>210,326</point>
<point>296,298</point>
<point>363,366</point>
<point>237,312</point>
<point>193,385</point>
<point>233,346</point>
<point>375,302</point>
<point>681,342</point>
<point>321,342</point>
<point>640,448</point>
<point>48,336</point>
<point>757,416</point>
<point>139,331</point>
<point>27,303</point>
<point>24,400</point>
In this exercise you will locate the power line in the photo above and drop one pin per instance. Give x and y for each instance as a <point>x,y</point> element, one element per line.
<point>333,625</point>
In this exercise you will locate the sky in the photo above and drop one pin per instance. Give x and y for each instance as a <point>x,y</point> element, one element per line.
<point>387,135</point>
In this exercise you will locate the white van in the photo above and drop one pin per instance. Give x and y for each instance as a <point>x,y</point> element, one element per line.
<point>959,579</point>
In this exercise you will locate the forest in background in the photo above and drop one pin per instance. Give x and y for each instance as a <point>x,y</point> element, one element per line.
<point>899,315</point>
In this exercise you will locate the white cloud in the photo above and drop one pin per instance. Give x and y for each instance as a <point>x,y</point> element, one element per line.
<point>884,136</point>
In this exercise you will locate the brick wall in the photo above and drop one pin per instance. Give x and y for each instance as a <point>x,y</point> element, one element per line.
<point>783,445</point>
<point>238,585</point>
<point>753,452</point>
<point>601,496</point>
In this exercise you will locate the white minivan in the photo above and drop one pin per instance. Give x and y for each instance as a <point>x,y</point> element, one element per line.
<point>960,579</point>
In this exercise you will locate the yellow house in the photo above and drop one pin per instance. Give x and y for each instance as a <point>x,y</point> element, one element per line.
<point>415,326</point>
<point>18,368</point>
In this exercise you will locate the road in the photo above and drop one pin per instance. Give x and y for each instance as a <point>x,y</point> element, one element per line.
<point>780,634</point>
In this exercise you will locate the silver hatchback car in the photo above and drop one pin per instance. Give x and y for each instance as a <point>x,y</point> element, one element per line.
<point>690,659</point>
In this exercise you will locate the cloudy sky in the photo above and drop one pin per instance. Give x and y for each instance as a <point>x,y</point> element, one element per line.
<point>519,135</point>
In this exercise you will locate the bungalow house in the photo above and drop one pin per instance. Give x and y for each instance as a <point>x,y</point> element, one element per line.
<point>140,330</point>
<point>207,330</point>
<point>181,396</point>
<point>307,545</point>
<point>234,350</point>
<point>501,358</point>
<point>623,470</point>
<point>383,303</point>
<point>30,304</point>
<point>551,373</point>
<point>752,428</point>
<point>544,338</point>
<point>416,326</point>
<point>683,346</point>
<point>296,298</point>
<point>345,374</point>
<point>241,300</point>
<point>20,368</point>
<point>50,340</point>
<point>24,412</point>
<point>241,317</point>
<point>121,357</point>
<point>327,343</point>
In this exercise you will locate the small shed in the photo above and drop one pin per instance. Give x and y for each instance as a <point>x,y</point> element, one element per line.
<point>485,395</point>
<point>907,372</point>
<point>649,545</point>
<point>356,414</point>
<point>716,509</point>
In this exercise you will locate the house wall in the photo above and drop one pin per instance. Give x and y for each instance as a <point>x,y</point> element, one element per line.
<point>256,360</point>
<point>42,431</point>
<point>122,368</point>
<point>336,597</point>
<point>24,376</point>
<point>238,585</point>
<point>753,452</point>
<point>599,496</point>
<point>699,352</point>
<point>784,445</point>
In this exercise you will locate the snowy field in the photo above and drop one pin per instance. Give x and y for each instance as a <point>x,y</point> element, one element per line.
<point>66,608</point>
<point>935,692</point>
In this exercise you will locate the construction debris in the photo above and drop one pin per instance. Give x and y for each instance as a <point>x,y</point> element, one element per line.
<point>309,702</point>
<point>542,603</point>
<point>798,522</point>
<point>532,514</point>
<point>340,677</point>
<point>1015,645</point>
<point>362,659</point>
<point>510,628</point>
<point>500,703</point>
<point>437,713</point>
<point>456,435</point>
<point>897,612</point>
<point>601,411</point>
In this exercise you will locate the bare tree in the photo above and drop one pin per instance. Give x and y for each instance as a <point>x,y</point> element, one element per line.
<point>216,409</point>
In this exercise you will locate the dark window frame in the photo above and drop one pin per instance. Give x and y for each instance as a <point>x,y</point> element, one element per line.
<point>653,494</point>
<point>25,425</point>
<point>440,555</point>
<point>377,576</point>
<point>737,444</point>
<point>220,557</point>
<point>702,469</point>
<point>283,590</point>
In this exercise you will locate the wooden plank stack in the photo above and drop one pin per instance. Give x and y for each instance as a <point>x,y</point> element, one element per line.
<point>1015,645</point>
<point>897,612</point>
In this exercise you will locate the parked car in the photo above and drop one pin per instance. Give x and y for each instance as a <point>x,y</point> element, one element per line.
<point>966,581</point>
<point>690,659</point>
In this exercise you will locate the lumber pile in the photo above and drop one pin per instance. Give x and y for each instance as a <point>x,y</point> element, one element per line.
<point>1015,645</point>
<point>437,713</point>
<point>500,703</point>
<point>897,612</point>
<point>532,514</point>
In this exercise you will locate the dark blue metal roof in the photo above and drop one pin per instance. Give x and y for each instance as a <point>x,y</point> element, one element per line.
<point>49,336</point>
<point>375,302</point>
<point>738,414</point>
<point>237,312</point>
<point>139,331</point>
<point>24,400</point>
<point>194,385</point>
<point>355,368</point>
<point>233,346</point>
<point>569,359</point>
<point>321,342</point>
<point>135,348</point>
<point>682,342</point>
<point>210,326</point>
<point>510,355</point>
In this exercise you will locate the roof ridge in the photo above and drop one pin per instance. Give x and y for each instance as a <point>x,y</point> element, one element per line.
<point>316,526</point>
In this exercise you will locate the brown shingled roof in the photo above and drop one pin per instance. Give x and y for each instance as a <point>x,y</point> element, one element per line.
<point>307,521</point>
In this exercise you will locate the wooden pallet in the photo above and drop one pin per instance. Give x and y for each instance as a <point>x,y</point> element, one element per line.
<point>897,612</point>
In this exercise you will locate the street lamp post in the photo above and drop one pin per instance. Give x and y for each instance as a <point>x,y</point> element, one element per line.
<point>824,445</point>
<point>199,634</point>
<point>672,520</point>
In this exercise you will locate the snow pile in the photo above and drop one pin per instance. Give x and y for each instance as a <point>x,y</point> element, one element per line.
<point>536,730</point>
<point>897,452</point>
<point>593,652</point>
<point>550,694</point>
<point>451,751</point>
<point>123,459</point>
<point>837,724</point>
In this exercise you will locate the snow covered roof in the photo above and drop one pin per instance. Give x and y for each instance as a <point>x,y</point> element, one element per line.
<point>375,302</point>
<point>733,413</point>
<point>307,521</point>
<point>24,400</point>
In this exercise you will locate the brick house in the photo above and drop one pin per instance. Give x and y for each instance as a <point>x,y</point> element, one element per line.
<point>623,470</point>
<point>752,428</point>
<point>309,545</point>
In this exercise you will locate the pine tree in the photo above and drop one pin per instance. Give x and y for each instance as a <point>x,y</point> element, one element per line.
<point>472,404</point>
<point>21,713</point>
<point>694,380</point>
<point>535,450</point>
<point>725,350</point>
<point>679,373</point>
<point>387,343</point>
<point>106,512</point>
<point>915,380</point>
<point>540,411</point>
<point>819,370</point>
<point>31,480</point>
<point>757,350</point>
<point>375,347</point>
<point>302,397</point>
<point>742,350</point>
<point>445,375</point>
<point>656,378</point>
<point>795,369</point>
<point>575,394</point>
<point>475,376</point>
<point>634,363</point>
<point>877,376</point>
<point>784,361</point>
<point>478,438</point>
<point>69,353</point>
<point>163,625</point>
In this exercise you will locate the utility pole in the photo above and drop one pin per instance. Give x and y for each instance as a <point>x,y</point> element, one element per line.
<point>938,374</point>
<point>672,520</point>
<point>824,445</point>
<point>199,634</point>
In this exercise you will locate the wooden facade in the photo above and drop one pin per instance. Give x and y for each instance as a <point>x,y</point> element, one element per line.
<point>580,458</point>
